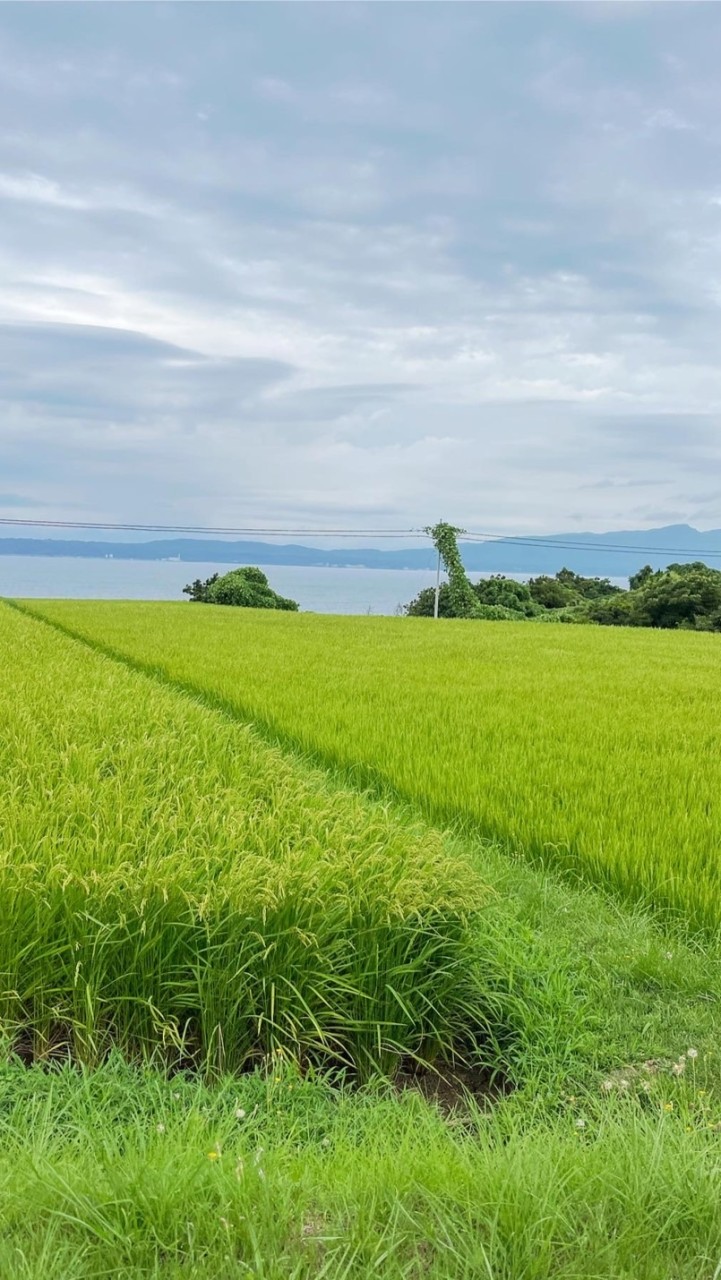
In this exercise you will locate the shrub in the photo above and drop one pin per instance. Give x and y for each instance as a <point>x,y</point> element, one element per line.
<point>246,588</point>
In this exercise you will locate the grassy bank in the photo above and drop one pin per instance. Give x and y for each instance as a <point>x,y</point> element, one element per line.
<point>126,1174</point>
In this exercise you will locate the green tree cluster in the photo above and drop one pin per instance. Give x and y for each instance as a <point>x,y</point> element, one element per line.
<point>496,598</point>
<point>681,596</point>
<point>247,588</point>
<point>568,589</point>
<point>686,596</point>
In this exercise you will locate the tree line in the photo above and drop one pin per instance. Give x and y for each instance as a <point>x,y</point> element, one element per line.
<point>686,596</point>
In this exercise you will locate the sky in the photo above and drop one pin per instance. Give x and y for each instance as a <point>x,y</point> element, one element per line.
<point>361,265</point>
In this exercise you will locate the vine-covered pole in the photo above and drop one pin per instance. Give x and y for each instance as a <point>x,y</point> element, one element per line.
<point>463,599</point>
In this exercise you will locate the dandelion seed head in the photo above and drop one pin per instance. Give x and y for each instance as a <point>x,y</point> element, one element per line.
<point>692,1053</point>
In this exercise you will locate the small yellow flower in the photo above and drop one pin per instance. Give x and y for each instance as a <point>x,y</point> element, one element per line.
<point>668,1106</point>
<point>212,1155</point>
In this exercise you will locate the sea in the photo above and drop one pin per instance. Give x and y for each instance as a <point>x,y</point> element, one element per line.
<point>317,590</point>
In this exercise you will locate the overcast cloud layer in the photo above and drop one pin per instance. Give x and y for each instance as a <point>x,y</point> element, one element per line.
<point>361,265</point>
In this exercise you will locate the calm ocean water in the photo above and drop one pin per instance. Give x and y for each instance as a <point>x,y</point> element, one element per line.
<point>353,590</point>
<point>319,590</point>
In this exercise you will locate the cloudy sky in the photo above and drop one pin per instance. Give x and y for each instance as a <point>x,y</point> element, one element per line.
<point>361,265</point>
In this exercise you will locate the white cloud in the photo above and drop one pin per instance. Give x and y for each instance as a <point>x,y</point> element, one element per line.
<point>468,279</point>
<point>274,89</point>
<point>35,189</point>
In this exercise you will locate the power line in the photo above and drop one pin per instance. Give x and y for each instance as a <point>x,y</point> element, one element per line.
<point>223,530</point>
<point>567,544</point>
<point>472,536</point>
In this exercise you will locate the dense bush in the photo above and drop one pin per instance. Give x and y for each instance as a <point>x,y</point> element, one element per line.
<point>684,596</point>
<point>564,598</point>
<point>247,588</point>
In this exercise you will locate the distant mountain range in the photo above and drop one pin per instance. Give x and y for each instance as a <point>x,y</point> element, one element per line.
<point>607,554</point>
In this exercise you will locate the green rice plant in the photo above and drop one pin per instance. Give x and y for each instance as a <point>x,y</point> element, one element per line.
<point>592,749</point>
<point>173,886</point>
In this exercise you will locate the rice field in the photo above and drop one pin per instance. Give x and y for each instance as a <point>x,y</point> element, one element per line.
<point>220,960</point>
<point>594,750</point>
<point>173,887</point>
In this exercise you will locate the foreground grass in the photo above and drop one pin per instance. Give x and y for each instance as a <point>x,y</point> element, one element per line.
<point>126,1174</point>
<point>591,748</point>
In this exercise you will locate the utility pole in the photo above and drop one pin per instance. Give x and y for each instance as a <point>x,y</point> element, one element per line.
<point>438,586</point>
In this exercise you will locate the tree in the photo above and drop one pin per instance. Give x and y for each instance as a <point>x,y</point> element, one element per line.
<point>245,588</point>
<point>569,588</point>
<point>515,597</point>
<point>550,593</point>
<point>498,598</point>
<point>587,588</point>
<point>423,606</point>
<point>683,595</point>
<point>614,611</point>
<point>639,579</point>
<point>198,590</point>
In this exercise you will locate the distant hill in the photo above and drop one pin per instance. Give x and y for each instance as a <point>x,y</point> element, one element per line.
<point>657,547</point>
